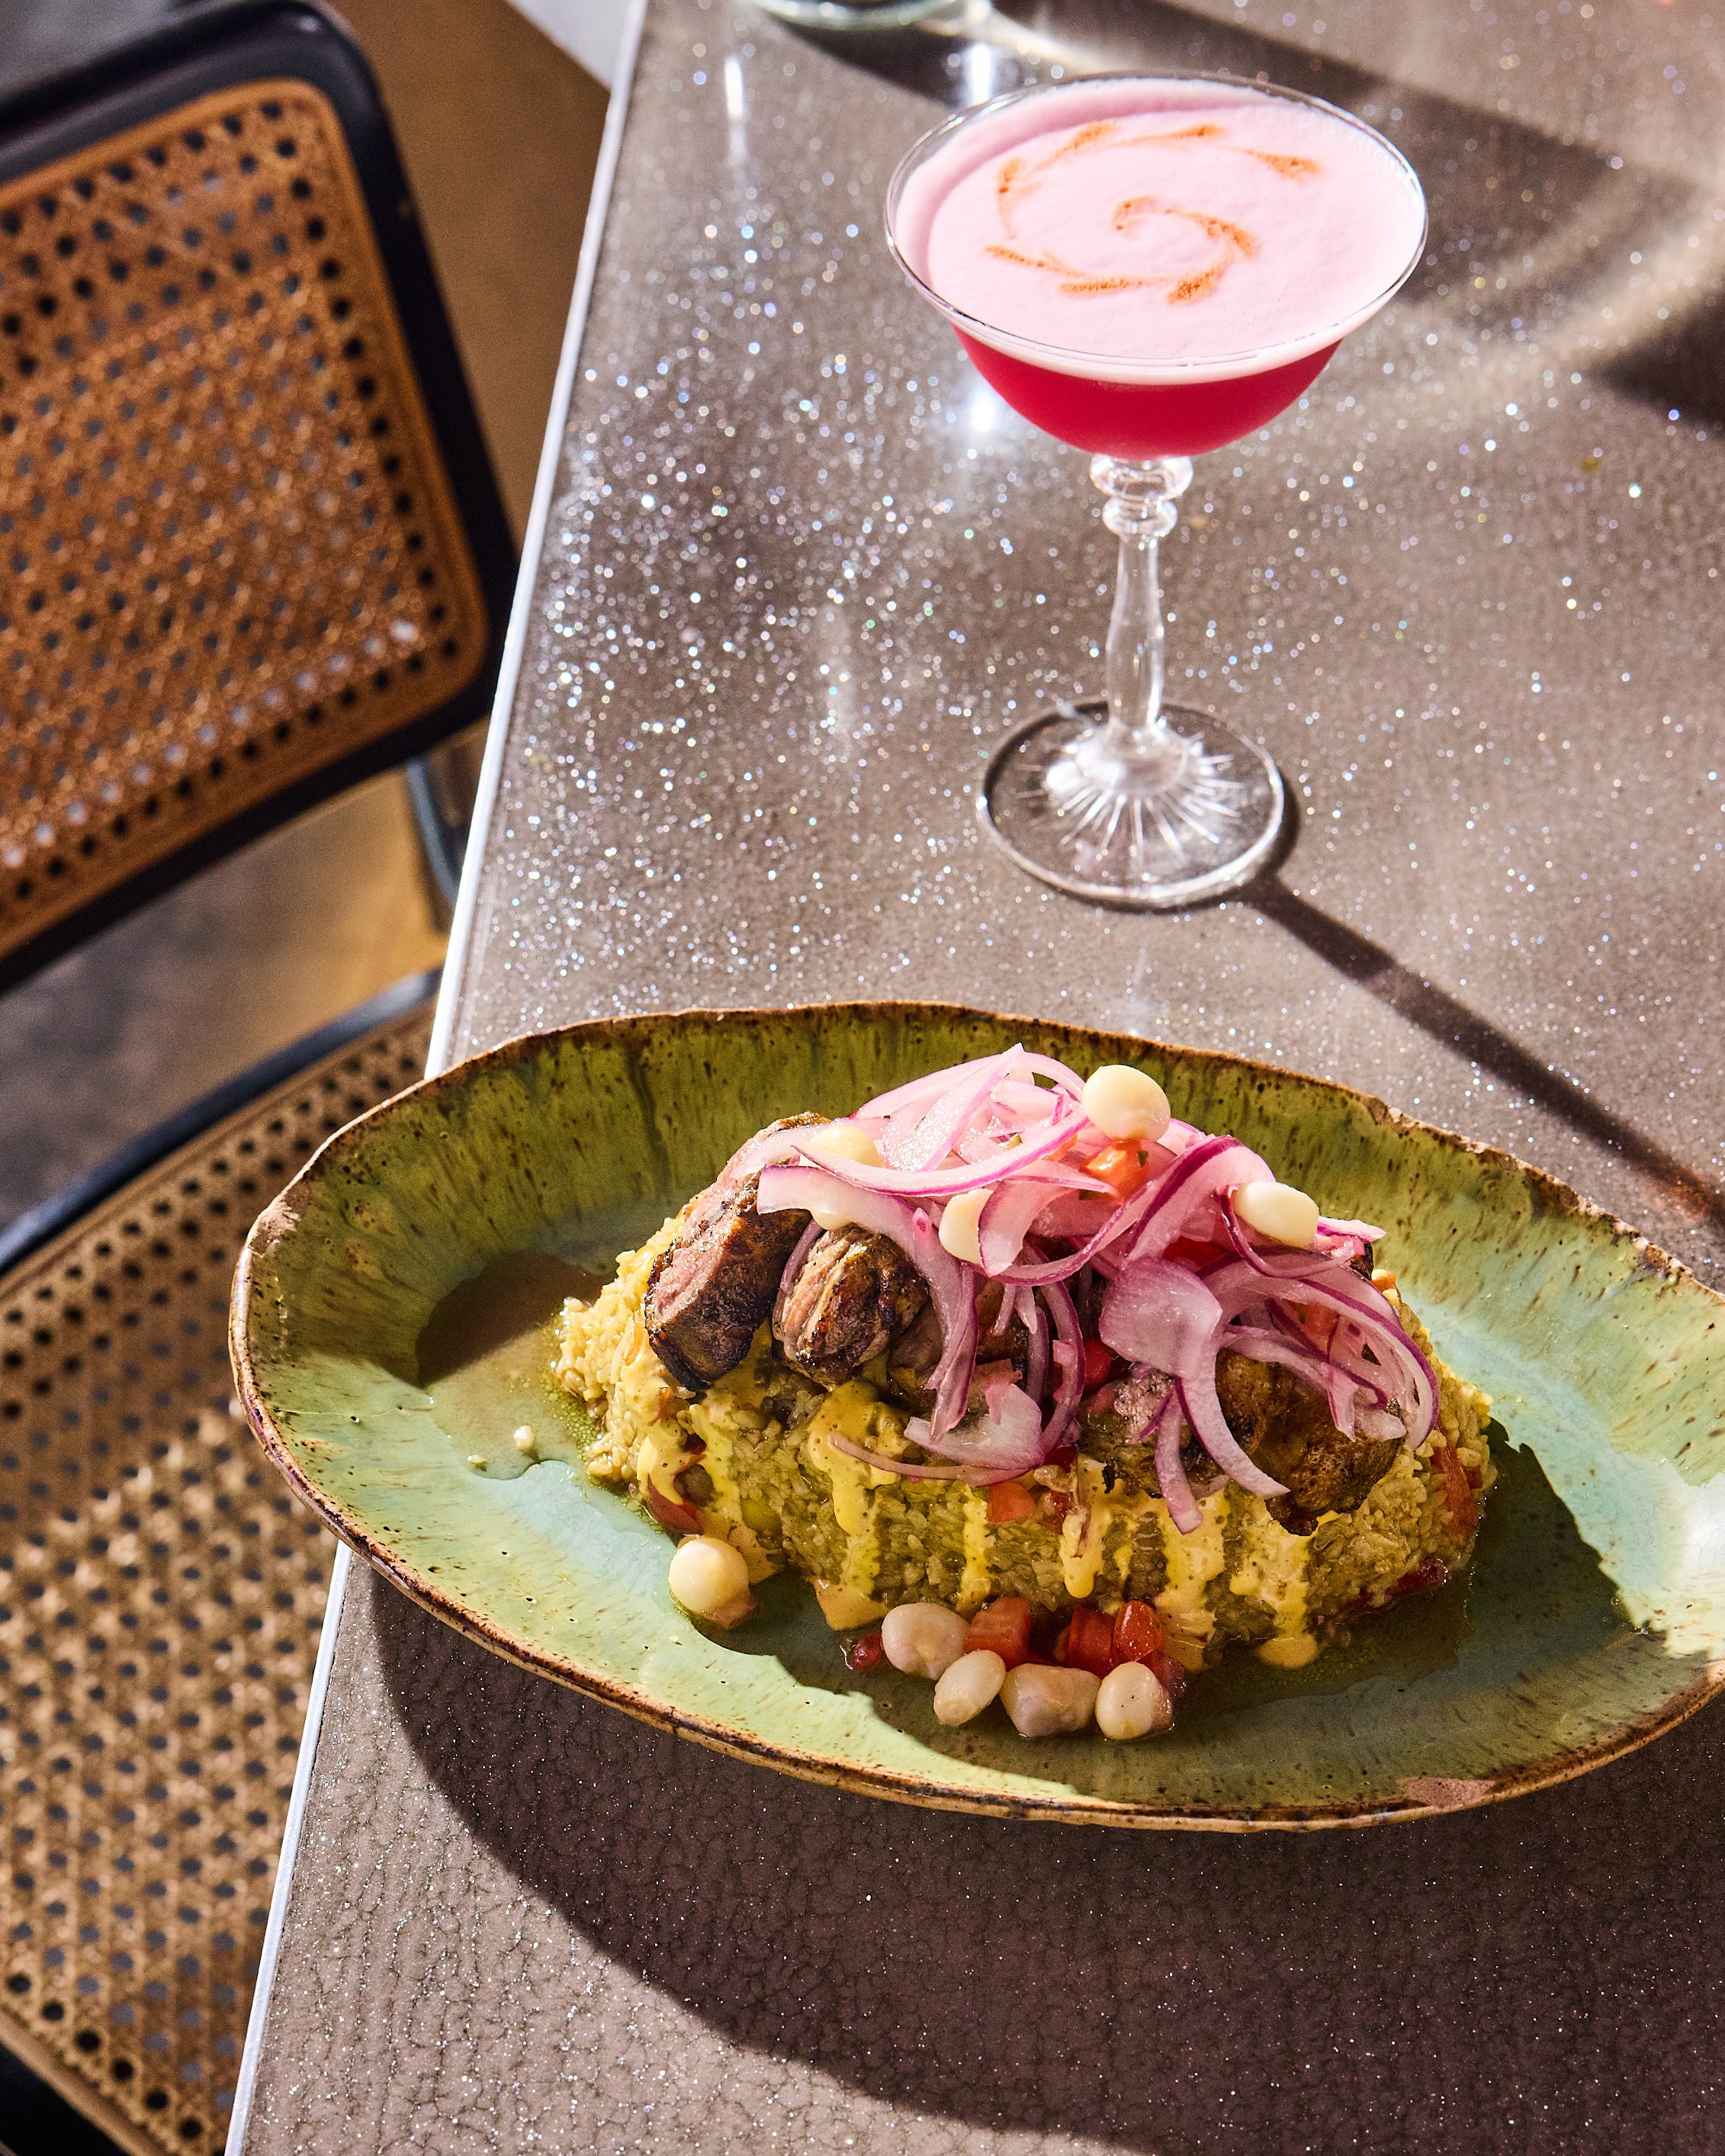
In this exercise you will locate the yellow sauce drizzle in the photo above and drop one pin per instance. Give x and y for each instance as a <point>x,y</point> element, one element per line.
<point>973,1583</point>
<point>1082,1534</point>
<point>1275,1569</point>
<point>1194,1561</point>
<point>852,1411</point>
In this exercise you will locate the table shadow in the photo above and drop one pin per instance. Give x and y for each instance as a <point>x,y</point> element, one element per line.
<point>1536,1972</point>
<point>1693,1195</point>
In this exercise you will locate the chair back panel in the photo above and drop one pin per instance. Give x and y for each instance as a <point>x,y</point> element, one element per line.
<point>230,555</point>
<point>160,1599</point>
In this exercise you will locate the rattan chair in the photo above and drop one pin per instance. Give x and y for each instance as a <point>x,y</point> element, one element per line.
<point>160,1596</point>
<point>251,548</point>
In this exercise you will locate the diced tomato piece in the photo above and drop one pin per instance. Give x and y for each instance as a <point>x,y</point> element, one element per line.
<point>1122,1167</point>
<point>675,1518</point>
<point>1098,1364</point>
<point>1009,1502</point>
<point>1089,1642</point>
<point>1184,1251</point>
<point>1458,1491</point>
<point>1003,1627</point>
<point>1317,1324</point>
<point>1169,1674</point>
<point>865,1653</point>
<point>1431,1572</point>
<point>1138,1633</point>
<point>1063,1455</point>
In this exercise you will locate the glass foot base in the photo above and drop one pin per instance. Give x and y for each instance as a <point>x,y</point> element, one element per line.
<point>1199,821</point>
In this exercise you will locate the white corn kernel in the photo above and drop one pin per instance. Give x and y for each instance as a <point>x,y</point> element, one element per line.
<point>476,1459</point>
<point>1131,1702</point>
<point>962,1225</point>
<point>967,1686</point>
<point>1045,1702</point>
<point>1126,1103</point>
<point>846,1143</point>
<point>922,1639</point>
<point>710,1579</point>
<point>1279,1211</point>
<point>525,1440</point>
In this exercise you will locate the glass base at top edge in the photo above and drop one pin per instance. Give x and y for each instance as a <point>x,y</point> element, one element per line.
<point>851,14</point>
<point>1201,824</point>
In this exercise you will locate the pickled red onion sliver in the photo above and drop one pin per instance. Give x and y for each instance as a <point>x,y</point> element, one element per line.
<point>920,1471</point>
<point>942,1181</point>
<point>1160,1313</point>
<point>1067,1351</point>
<point>1008,1439</point>
<point>924,1090</point>
<point>1176,1490</point>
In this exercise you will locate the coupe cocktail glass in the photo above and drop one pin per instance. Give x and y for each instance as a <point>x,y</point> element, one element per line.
<point>1196,249</point>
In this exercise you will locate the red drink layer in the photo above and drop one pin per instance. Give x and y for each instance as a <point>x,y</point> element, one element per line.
<point>1143,419</point>
<point>1151,268</point>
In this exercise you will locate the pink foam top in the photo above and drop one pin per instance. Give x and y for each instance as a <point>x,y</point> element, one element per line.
<point>1150,224</point>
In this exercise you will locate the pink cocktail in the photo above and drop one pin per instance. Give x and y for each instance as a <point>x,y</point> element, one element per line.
<point>1149,268</point>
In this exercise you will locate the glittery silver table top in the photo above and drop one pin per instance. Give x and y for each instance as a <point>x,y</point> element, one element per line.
<point>800,570</point>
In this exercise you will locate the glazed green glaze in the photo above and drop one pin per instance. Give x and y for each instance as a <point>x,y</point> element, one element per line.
<point>1593,1617</point>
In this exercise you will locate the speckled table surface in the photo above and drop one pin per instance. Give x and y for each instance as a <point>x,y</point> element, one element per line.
<point>798,569</point>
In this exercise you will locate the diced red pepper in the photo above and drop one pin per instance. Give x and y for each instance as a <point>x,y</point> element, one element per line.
<point>1098,1364</point>
<point>1138,1633</point>
<point>1010,1502</point>
<point>1089,1642</point>
<point>1122,1167</point>
<point>1059,1503</point>
<point>1431,1572</point>
<point>1458,1492</point>
<point>1063,1455</point>
<point>675,1518</point>
<point>1168,1673</point>
<point>865,1653</point>
<point>1002,1626</point>
<point>1184,1251</point>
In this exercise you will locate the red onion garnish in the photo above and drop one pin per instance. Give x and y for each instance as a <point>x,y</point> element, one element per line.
<point>1007,1440</point>
<point>917,1471</point>
<point>1176,1490</point>
<point>989,1125</point>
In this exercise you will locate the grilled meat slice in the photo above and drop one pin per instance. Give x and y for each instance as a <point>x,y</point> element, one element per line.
<point>853,1291</point>
<point>713,1286</point>
<point>1286,1428</point>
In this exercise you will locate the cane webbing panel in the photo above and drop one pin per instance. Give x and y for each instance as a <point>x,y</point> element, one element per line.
<point>160,1600</point>
<point>228,551</point>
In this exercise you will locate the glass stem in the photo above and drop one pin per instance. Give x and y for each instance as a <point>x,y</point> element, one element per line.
<point>1140,508</point>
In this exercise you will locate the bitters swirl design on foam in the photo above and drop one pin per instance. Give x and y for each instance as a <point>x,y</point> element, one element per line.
<point>1016,179</point>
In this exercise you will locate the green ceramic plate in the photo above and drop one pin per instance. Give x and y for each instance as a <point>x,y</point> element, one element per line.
<point>1593,1618</point>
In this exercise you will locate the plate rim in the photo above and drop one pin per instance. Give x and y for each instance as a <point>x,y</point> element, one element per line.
<point>1440,1796</point>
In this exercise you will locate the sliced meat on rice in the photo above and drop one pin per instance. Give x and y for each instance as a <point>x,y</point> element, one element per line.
<point>852,1292</point>
<point>713,1287</point>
